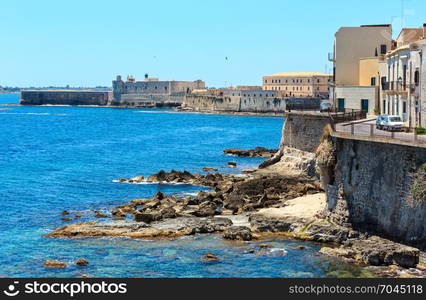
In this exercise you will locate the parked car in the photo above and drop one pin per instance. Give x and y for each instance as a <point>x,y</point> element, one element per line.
<point>389,123</point>
<point>326,107</point>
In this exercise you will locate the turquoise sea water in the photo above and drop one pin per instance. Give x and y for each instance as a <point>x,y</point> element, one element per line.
<point>66,158</point>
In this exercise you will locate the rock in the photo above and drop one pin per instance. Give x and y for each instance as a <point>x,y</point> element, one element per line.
<point>206,209</point>
<point>238,233</point>
<point>82,262</point>
<point>210,257</point>
<point>168,228</point>
<point>85,276</point>
<point>100,215</point>
<point>138,179</point>
<point>248,171</point>
<point>54,264</point>
<point>209,170</point>
<point>118,212</point>
<point>65,213</point>
<point>257,152</point>
<point>66,219</point>
<point>147,217</point>
<point>168,213</point>
<point>264,245</point>
<point>299,248</point>
<point>122,180</point>
<point>232,163</point>
<point>77,216</point>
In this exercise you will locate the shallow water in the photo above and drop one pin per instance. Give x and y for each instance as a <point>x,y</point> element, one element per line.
<point>67,158</point>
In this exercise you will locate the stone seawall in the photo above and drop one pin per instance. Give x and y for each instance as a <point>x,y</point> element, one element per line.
<point>209,103</point>
<point>301,132</point>
<point>65,97</point>
<point>371,184</point>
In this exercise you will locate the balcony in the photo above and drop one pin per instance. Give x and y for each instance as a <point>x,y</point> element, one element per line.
<point>331,57</point>
<point>398,87</point>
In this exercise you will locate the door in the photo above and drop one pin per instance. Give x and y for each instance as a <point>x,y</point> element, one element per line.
<point>341,104</point>
<point>364,105</point>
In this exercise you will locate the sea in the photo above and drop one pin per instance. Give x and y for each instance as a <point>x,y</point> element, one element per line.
<point>54,159</point>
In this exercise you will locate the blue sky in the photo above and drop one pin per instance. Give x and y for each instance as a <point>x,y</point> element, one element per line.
<point>87,43</point>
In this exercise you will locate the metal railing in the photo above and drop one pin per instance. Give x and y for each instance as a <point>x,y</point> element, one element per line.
<point>346,115</point>
<point>406,134</point>
<point>399,86</point>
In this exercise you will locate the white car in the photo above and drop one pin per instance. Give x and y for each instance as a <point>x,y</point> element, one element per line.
<point>389,123</point>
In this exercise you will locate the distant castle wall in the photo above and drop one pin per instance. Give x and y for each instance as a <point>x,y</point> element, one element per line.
<point>65,97</point>
<point>137,93</point>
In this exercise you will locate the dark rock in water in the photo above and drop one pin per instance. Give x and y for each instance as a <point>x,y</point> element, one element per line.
<point>118,212</point>
<point>100,215</point>
<point>209,170</point>
<point>65,213</point>
<point>54,264</point>
<point>122,180</point>
<point>264,245</point>
<point>232,163</point>
<point>241,233</point>
<point>210,257</point>
<point>82,262</point>
<point>299,248</point>
<point>66,219</point>
<point>257,152</point>
<point>147,217</point>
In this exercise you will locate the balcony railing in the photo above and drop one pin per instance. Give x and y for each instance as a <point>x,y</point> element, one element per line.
<point>398,86</point>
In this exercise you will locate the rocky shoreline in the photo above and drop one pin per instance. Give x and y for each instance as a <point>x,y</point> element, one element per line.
<point>283,200</point>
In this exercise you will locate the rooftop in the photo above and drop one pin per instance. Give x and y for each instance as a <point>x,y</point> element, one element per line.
<point>298,74</point>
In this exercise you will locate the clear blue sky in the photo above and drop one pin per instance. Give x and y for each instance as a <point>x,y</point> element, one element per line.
<point>87,43</point>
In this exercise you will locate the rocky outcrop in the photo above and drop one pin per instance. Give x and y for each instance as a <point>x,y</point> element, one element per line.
<point>302,219</point>
<point>257,152</point>
<point>376,251</point>
<point>232,195</point>
<point>240,233</point>
<point>169,228</point>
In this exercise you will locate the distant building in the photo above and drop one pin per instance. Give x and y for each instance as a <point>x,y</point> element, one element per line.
<point>152,91</point>
<point>298,85</point>
<point>358,58</point>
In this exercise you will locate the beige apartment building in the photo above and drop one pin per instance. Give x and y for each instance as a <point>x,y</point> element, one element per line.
<point>298,85</point>
<point>358,58</point>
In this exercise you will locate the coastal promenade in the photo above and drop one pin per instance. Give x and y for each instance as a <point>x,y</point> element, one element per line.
<point>366,130</point>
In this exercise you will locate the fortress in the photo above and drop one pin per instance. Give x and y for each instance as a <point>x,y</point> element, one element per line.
<point>152,92</point>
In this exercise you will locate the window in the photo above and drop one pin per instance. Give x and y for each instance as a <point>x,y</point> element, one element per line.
<point>383,49</point>
<point>266,81</point>
<point>416,77</point>
<point>373,81</point>
<point>404,107</point>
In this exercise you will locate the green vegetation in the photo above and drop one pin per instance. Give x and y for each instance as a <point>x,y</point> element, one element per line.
<point>418,188</point>
<point>421,131</point>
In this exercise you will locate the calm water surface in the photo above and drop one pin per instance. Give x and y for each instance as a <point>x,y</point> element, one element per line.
<point>66,158</point>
